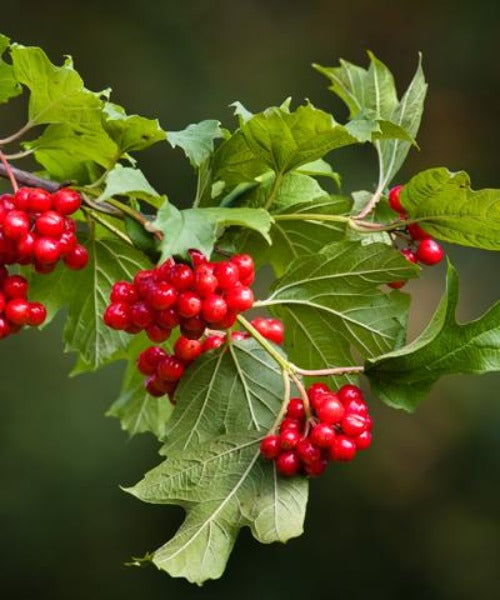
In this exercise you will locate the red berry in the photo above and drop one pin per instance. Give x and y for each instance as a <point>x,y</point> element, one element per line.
<point>342,449</point>
<point>356,407</point>
<point>188,305</point>
<point>163,271</point>
<point>4,273</point>
<point>149,359</point>
<point>181,277</point>
<point>330,409</point>
<point>66,201</point>
<point>39,200</point>
<point>212,343</point>
<point>67,241</point>
<point>395,200</point>
<point>416,232</point>
<point>396,285</point>
<point>162,295</point>
<point>16,224</point>
<point>317,392</point>
<point>21,198</point>
<point>350,392</point>
<point>228,321</point>
<point>317,468</point>
<point>2,302</point>
<point>157,334</point>
<point>214,308</point>
<point>197,257</point>
<point>37,314</point>
<point>270,447</point>
<point>271,329</point>
<point>409,255</point>
<point>77,258</point>
<point>363,440</point>
<point>47,250</point>
<point>353,425</point>
<point>322,435</point>
<point>205,281</point>
<point>246,268</point>
<point>193,328</point>
<point>5,328</point>
<point>117,316</point>
<point>170,369</point>
<point>17,311</point>
<point>123,291</point>
<point>141,315</point>
<point>429,252</point>
<point>289,438</point>
<point>169,319</point>
<point>238,336</point>
<point>186,349</point>
<point>289,423</point>
<point>15,286</point>
<point>44,268</point>
<point>288,463</point>
<point>227,274</point>
<point>50,224</point>
<point>239,299</point>
<point>308,452</point>
<point>295,409</point>
<point>155,386</point>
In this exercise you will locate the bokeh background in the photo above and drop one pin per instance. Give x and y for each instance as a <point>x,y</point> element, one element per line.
<point>418,515</point>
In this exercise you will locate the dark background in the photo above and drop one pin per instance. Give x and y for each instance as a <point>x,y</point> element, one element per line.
<point>417,516</point>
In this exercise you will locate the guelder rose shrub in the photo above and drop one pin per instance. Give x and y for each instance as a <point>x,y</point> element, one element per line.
<point>247,406</point>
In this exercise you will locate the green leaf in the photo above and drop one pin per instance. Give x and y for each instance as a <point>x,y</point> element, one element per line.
<point>127,181</point>
<point>286,140</point>
<point>9,87</point>
<point>197,140</point>
<point>131,132</point>
<point>200,227</point>
<point>320,168</point>
<point>404,377</point>
<point>331,302</point>
<point>451,211</point>
<point>223,485</point>
<point>138,411</point>
<point>86,293</point>
<point>241,112</point>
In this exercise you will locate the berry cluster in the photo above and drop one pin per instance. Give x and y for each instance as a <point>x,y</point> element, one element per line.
<point>15,310</point>
<point>428,251</point>
<point>163,371</point>
<point>35,228</point>
<point>174,294</point>
<point>338,427</point>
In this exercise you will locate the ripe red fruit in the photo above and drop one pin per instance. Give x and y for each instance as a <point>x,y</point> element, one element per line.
<point>227,274</point>
<point>2,302</point>
<point>270,447</point>
<point>308,452</point>
<point>186,349</point>
<point>47,250</point>
<point>169,319</point>
<point>193,328</point>
<point>316,393</point>
<point>295,409</point>
<point>409,255</point>
<point>66,201</point>
<point>39,201</point>
<point>181,277</point>
<point>5,328</point>
<point>350,392</point>
<point>188,305</point>
<point>416,232</point>
<point>123,291</point>
<point>162,295</point>
<point>429,252</point>
<point>330,409</point>
<point>353,425</point>
<point>342,449</point>
<point>21,198</point>
<point>149,359</point>
<point>155,386</point>
<point>228,321</point>
<point>271,329</point>
<point>4,273</point>
<point>67,241</point>
<point>239,335</point>
<point>239,299</point>
<point>288,463</point>
<point>357,407</point>
<point>141,315</point>
<point>25,246</point>
<point>212,343</point>
<point>289,438</point>
<point>15,286</point>
<point>77,258</point>
<point>170,369</point>
<point>157,334</point>
<point>117,316</point>
<point>37,314</point>
<point>290,423</point>
<point>246,268</point>
<point>214,308</point>
<point>16,224</point>
<point>363,440</point>
<point>17,311</point>
<point>322,435</point>
<point>205,281</point>
<point>395,200</point>
<point>50,224</point>
<point>315,469</point>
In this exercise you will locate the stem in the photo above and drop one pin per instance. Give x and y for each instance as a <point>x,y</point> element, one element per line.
<point>137,216</point>
<point>16,135</point>
<point>26,178</point>
<point>9,172</point>
<point>284,404</point>
<point>274,189</point>
<point>103,207</point>
<point>18,155</point>
<point>333,371</point>
<point>94,215</point>
<point>311,217</point>
<point>284,364</point>
<point>303,395</point>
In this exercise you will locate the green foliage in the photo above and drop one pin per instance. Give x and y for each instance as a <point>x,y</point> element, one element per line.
<point>451,211</point>
<point>9,86</point>
<point>196,140</point>
<point>127,181</point>
<point>404,377</point>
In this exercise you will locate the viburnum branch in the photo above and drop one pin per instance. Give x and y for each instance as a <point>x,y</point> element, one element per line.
<point>334,371</point>
<point>30,180</point>
<point>264,343</point>
<point>303,394</point>
<point>102,207</point>
<point>286,400</point>
<point>311,217</point>
<point>15,136</point>
<point>119,234</point>
<point>8,171</point>
<point>19,155</point>
<point>137,216</point>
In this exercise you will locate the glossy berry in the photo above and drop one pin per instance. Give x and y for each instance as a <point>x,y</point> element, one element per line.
<point>395,200</point>
<point>37,314</point>
<point>149,359</point>
<point>142,315</point>
<point>239,299</point>
<point>16,224</point>
<point>322,435</point>
<point>342,449</point>
<point>168,318</point>
<point>157,334</point>
<point>123,291</point>
<point>416,232</point>
<point>117,316</point>
<point>15,286</point>
<point>288,463</point>
<point>227,274</point>
<point>270,447</point>
<point>47,250</point>
<point>353,425</point>
<point>77,258</point>
<point>214,308</point>
<point>295,409</point>
<point>363,440</point>
<point>187,350</point>
<point>50,224</point>
<point>181,277</point>
<point>308,452</point>
<point>170,369</point>
<point>429,252</point>
<point>155,386</point>
<point>205,281</point>
<point>271,329</point>
<point>350,392</point>
<point>316,393</point>
<point>317,468</point>
<point>39,201</point>
<point>246,268</point>
<point>290,423</point>
<point>330,409</point>
<point>17,311</point>
<point>193,328</point>
<point>162,295</point>
<point>212,343</point>
<point>188,305</point>
<point>289,438</point>
<point>66,201</point>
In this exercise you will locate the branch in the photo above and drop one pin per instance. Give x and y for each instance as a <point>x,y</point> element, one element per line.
<point>29,179</point>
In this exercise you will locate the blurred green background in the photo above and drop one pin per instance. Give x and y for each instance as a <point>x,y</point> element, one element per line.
<point>418,516</point>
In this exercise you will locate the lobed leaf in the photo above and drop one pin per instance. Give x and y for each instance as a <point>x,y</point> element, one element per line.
<point>128,181</point>
<point>9,86</point>
<point>197,140</point>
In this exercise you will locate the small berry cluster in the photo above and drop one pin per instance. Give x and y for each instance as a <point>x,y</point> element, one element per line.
<point>35,228</point>
<point>15,310</point>
<point>163,371</point>
<point>174,294</point>
<point>338,427</point>
<point>428,251</point>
